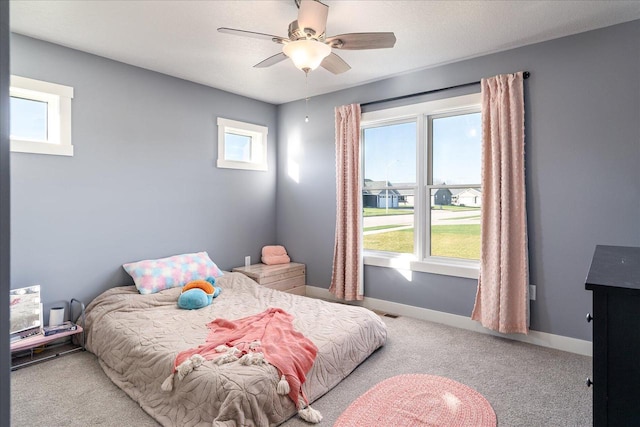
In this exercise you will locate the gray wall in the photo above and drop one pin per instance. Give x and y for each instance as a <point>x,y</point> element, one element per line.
<point>5,358</point>
<point>582,171</point>
<point>142,183</point>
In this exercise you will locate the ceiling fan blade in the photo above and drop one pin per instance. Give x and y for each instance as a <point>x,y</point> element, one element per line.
<point>359,41</point>
<point>335,64</point>
<point>313,15</point>
<point>252,34</point>
<point>271,60</point>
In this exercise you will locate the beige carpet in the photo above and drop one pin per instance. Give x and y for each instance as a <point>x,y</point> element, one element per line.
<point>526,385</point>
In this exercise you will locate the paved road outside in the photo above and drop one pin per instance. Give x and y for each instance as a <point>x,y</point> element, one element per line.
<point>438,217</point>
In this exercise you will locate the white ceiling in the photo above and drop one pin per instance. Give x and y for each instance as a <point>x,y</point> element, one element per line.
<point>180,38</point>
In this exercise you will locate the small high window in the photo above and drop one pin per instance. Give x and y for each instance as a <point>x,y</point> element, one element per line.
<point>241,145</point>
<point>40,117</point>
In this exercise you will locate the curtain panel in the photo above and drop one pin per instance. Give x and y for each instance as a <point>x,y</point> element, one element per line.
<point>502,299</point>
<point>346,278</point>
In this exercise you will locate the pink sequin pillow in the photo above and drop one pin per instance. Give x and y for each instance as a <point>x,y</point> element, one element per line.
<point>154,275</point>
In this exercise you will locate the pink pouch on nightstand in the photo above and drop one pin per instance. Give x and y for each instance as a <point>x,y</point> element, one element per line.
<point>275,255</point>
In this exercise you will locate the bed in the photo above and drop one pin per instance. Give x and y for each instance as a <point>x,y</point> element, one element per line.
<point>137,338</point>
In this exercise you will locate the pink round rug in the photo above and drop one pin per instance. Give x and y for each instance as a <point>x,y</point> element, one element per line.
<point>419,400</point>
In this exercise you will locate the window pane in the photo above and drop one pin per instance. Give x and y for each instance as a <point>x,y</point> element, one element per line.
<point>456,149</point>
<point>237,147</point>
<point>388,220</point>
<point>390,154</point>
<point>455,222</point>
<point>28,119</point>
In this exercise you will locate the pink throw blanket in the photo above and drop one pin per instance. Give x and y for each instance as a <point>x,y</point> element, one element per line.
<point>285,348</point>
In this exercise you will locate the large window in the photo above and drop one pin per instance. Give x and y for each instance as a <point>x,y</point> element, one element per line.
<point>421,190</point>
<point>40,117</point>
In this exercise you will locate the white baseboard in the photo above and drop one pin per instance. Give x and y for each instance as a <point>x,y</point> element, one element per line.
<point>543,339</point>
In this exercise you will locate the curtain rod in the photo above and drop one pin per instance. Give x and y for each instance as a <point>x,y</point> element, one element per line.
<point>525,75</point>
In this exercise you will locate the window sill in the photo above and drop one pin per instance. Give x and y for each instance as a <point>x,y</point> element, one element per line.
<point>229,164</point>
<point>21,146</point>
<point>466,269</point>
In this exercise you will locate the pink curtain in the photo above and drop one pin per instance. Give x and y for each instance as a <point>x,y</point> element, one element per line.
<point>502,298</point>
<point>346,280</point>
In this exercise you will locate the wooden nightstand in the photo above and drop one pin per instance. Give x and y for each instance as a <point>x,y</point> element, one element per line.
<point>290,277</point>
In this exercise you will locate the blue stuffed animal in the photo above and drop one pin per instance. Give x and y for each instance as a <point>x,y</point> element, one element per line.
<point>198,294</point>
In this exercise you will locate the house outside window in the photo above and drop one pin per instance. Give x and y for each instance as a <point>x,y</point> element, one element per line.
<point>421,186</point>
<point>40,117</point>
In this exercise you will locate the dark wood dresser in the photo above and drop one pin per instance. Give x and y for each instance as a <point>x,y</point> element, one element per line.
<point>614,278</point>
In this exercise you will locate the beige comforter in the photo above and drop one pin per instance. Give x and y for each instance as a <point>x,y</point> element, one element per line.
<point>137,337</point>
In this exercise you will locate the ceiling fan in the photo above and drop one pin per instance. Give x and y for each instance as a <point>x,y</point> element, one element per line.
<point>307,45</point>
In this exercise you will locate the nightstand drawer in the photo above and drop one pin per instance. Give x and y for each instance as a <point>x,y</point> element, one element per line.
<point>290,277</point>
<point>286,284</point>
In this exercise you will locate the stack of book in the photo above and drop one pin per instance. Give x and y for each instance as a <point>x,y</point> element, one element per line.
<point>64,327</point>
<point>26,333</point>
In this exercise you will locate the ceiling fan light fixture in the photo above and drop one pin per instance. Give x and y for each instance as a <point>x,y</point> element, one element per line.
<point>306,54</point>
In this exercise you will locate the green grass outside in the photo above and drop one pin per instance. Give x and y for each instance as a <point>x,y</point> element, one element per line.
<point>456,241</point>
<point>400,241</point>
<point>390,211</point>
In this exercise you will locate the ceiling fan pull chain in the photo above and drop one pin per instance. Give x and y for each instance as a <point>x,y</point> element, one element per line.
<point>306,96</point>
